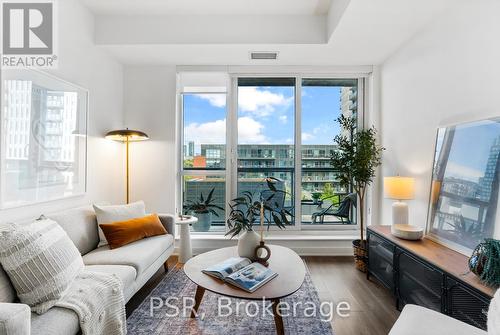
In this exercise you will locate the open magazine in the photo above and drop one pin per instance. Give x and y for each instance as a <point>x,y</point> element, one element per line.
<point>242,273</point>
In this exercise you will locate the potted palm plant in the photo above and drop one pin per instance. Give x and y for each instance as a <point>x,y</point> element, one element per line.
<point>246,211</point>
<point>355,160</point>
<point>203,208</point>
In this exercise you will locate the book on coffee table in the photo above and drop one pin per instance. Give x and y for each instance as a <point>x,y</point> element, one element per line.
<point>242,273</point>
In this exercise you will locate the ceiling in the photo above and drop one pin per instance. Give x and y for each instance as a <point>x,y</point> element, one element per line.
<point>222,32</point>
<point>209,7</point>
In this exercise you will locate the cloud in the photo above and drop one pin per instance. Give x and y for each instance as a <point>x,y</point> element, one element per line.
<point>252,100</point>
<point>206,133</point>
<point>249,131</point>
<point>318,134</point>
<point>464,172</point>
<point>216,100</point>
<point>320,130</point>
<point>260,102</point>
<point>283,118</point>
<point>307,136</point>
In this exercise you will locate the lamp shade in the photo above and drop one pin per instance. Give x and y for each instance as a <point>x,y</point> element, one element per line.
<point>399,188</point>
<point>122,135</point>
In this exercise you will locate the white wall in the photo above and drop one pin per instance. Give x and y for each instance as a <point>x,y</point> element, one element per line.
<point>82,63</point>
<point>447,73</point>
<point>150,100</point>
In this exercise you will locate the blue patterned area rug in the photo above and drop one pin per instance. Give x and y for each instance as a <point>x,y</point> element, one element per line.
<point>157,315</point>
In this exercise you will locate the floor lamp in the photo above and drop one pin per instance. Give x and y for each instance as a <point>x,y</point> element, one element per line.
<point>127,136</point>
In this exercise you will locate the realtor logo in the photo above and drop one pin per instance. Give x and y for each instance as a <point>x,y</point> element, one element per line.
<point>28,34</point>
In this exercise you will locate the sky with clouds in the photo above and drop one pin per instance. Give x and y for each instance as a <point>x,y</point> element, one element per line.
<point>265,116</point>
<point>471,149</point>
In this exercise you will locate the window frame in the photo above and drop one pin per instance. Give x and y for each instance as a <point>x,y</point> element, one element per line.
<point>230,173</point>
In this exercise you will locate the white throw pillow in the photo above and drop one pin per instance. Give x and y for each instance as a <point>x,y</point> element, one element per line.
<point>40,260</point>
<point>114,213</point>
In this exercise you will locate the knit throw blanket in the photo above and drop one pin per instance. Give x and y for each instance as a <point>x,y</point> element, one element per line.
<point>494,315</point>
<point>97,299</point>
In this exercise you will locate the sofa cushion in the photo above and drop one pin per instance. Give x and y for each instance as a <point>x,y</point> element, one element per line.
<point>56,321</point>
<point>15,319</point>
<point>139,254</point>
<point>7,292</point>
<point>113,213</point>
<point>121,233</point>
<point>417,320</point>
<point>41,262</point>
<point>81,226</point>
<point>126,273</point>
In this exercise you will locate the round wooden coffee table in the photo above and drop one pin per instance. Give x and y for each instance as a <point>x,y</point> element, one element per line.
<point>285,262</point>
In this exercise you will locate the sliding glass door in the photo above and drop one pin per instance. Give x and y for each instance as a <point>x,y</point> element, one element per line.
<point>323,101</point>
<point>266,137</point>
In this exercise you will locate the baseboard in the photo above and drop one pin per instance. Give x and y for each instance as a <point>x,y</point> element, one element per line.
<point>301,247</point>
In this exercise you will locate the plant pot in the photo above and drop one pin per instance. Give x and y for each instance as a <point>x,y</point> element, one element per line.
<point>247,242</point>
<point>360,255</point>
<point>204,222</point>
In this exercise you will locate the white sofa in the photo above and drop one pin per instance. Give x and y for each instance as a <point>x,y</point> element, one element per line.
<point>417,320</point>
<point>134,264</point>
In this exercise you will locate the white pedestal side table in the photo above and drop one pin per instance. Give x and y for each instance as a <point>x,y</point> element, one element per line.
<point>185,252</point>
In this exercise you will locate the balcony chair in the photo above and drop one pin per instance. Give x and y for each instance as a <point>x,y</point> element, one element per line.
<point>343,211</point>
<point>277,202</point>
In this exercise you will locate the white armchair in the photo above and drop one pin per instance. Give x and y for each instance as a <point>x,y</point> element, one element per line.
<point>416,320</point>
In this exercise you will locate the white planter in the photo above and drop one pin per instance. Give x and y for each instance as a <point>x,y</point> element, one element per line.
<point>204,222</point>
<point>247,242</point>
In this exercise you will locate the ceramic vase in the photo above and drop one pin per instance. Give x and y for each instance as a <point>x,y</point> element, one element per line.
<point>247,242</point>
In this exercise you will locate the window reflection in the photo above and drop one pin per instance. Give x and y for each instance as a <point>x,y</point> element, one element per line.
<point>41,142</point>
<point>464,191</point>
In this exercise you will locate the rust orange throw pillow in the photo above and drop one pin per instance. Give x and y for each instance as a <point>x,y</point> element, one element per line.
<point>124,232</point>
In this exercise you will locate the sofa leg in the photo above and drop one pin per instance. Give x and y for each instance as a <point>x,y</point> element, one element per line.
<point>165,266</point>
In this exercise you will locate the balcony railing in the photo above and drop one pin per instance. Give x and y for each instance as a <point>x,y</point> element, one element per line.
<point>251,179</point>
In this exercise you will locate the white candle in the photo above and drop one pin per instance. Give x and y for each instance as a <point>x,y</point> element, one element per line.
<point>262,221</point>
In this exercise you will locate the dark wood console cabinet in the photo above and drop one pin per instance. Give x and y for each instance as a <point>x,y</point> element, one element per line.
<point>428,274</point>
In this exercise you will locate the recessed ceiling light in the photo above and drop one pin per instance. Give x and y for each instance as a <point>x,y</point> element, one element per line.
<point>267,55</point>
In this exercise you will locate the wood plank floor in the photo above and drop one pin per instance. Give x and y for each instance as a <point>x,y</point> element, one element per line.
<point>373,309</point>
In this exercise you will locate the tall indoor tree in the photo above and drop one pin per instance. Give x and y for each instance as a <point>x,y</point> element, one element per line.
<point>356,159</point>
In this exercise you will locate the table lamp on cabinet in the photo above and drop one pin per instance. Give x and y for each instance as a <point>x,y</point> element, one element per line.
<point>400,189</point>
